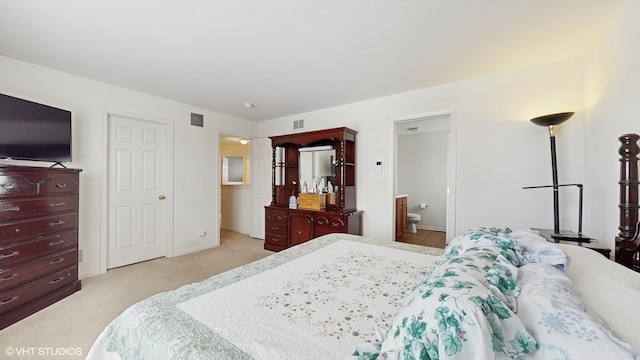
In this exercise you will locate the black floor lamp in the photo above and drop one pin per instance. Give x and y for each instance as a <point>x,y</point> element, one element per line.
<point>551,121</point>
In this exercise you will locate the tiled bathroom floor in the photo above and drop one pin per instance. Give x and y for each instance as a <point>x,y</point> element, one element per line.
<point>424,237</point>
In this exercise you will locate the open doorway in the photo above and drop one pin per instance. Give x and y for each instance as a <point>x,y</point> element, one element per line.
<point>424,174</point>
<point>235,193</point>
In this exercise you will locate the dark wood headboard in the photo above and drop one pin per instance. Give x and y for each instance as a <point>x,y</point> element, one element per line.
<point>627,241</point>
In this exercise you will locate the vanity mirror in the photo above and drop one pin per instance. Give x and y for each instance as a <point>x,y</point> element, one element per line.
<point>318,165</point>
<point>313,163</point>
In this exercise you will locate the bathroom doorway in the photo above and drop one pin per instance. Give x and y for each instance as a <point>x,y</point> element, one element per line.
<point>424,170</point>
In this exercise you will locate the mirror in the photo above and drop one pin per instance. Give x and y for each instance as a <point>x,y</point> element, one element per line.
<point>232,170</point>
<point>315,165</point>
<point>279,166</point>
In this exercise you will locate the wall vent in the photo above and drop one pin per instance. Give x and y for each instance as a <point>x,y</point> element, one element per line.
<point>298,124</point>
<point>81,256</point>
<point>197,119</point>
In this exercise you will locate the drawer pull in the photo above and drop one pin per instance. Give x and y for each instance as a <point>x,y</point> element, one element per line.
<point>7,278</point>
<point>54,243</point>
<point>56,280</point>
<point>61,186</point>
<point>275,228</point>
<point>57,204</point>
<point>8,186</point>
<point>16,209</point>
<point>15,253</point>
<point>57,223</point>
<point>56,261</point>
<point>5,302</point>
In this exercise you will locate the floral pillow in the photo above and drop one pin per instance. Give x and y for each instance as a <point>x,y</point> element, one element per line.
<point>486,265</point>
<point>460,312</point>
<point>485,237</point>
<point>563,325</point>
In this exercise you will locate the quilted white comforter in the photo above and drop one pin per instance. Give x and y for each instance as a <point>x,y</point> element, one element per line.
<point>341,296</point>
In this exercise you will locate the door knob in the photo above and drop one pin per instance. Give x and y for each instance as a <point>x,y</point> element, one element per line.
<point>161,197</point>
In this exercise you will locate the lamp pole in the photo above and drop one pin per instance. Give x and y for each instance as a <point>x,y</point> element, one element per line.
<point>554,172</point>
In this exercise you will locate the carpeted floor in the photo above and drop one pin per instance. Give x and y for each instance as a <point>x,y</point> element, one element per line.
<point>76,321</point>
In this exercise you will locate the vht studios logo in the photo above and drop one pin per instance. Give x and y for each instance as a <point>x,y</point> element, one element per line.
<point>43,351</point>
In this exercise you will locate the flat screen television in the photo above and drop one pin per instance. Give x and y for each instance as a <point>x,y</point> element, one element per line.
<point>32,131</point>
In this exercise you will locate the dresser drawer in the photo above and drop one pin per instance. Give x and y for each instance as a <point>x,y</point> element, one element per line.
<point>276,228</point>
<point>59,183</point>
<point>17,208</point>
<point>278,216</point>
<point>23,294</point>
<point>275,240</point>
<point>15,275</point>
<point>38,183</point>
<point>328,225</point>
<point>24,229</point>
<point>16,185</point>
<point>14,253</point>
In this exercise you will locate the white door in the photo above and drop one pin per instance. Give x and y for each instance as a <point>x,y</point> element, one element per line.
<point>137,184</point>
<point>260,184</point>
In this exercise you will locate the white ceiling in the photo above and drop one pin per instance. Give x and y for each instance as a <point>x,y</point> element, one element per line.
<point>293,56</point>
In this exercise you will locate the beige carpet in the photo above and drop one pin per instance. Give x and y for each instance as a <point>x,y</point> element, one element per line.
<point>77,320</point>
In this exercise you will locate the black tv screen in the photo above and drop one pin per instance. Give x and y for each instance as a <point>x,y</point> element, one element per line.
<point>32,131</point>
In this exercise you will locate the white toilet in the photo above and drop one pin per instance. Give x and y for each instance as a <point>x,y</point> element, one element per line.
<point>412,220</point>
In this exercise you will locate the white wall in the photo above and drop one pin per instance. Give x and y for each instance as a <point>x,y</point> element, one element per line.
<point>498,149</point>
<point>235,207</point>
<point>196,151</point>
<point>612,94</point>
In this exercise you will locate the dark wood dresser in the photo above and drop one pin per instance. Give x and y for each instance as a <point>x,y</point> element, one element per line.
<point>286,227</point>
<point>38,239</point>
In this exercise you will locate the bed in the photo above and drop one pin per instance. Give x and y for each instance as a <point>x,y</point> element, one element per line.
<point>493,293</point>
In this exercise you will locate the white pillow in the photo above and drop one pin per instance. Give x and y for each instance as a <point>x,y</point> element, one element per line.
<point>562,324</point>
<point>537,249</point>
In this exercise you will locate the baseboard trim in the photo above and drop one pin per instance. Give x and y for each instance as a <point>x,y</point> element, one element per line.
<point>432,228</point>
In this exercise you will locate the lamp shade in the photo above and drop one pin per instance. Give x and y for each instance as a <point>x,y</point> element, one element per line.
<point>552,119</point>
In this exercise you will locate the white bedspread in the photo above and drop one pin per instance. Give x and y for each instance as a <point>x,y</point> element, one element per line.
<point>287,309</point>
<point>328,295</point>
<point>610,289</point>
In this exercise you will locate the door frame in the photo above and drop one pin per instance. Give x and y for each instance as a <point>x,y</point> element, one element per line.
<point>451,166</point>
<point>104,180</point>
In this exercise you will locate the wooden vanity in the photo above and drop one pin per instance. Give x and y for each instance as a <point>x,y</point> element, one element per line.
<point>401,215</point>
